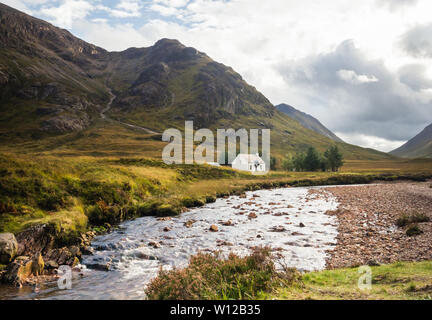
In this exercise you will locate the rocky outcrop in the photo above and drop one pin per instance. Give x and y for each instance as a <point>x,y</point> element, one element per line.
<point>64,256</point>
<point>66,123</point>
<point>22,268</point>
<point>37,239</point>
<point>33,247</point>
<point>8,247</point>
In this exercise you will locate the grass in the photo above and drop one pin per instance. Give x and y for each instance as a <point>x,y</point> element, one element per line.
<point>76,193</point>
<point>211,276</point>
<point>402,280</point>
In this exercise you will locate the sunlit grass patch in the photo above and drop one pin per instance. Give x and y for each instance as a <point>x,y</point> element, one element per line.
<point>402,280</point>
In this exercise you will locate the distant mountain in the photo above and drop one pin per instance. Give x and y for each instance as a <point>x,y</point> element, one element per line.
<point>307,121</point>
<point>61,94</point>
<point>418,147</point>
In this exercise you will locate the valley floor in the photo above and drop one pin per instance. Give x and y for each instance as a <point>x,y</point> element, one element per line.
<point>80,194</point>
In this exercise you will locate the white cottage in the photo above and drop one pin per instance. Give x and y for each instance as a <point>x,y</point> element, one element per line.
<point>249,162</point>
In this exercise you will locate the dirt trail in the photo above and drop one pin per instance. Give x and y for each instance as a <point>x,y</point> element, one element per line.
<point>108,107</point>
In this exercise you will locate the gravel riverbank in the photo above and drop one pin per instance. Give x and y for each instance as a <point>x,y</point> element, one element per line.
<point>367,217</point>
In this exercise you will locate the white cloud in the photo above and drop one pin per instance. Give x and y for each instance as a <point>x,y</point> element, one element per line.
<point>127,8</point>
<point>373,142</point>
<point>68,11</point>
<point>352,77</point>
<point>19,5</point>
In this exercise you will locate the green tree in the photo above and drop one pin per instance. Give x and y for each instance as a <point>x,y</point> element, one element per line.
<point>334,158</point>
<point>312,161</point>
<point>298,162</point>
<point>288,163</point>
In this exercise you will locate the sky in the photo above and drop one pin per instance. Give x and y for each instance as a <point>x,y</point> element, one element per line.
<point>363,68</point>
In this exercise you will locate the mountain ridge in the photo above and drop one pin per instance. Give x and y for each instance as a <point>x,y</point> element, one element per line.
<point>419,146</point>
<point>307,121</point>
<point>54,88</point>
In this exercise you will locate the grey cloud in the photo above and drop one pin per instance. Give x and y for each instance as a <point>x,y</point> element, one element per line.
<point>414,76</point>
<point>418,42</point>
<point>383,108</point>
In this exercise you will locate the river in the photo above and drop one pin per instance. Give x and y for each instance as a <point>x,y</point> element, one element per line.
<point>292,221</point>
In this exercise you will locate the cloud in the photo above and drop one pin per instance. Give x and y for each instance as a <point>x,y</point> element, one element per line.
<point>352,77</point>
<point>112,36</point>
<point>373,142</point>
<point>418,41</point>
<point>353,102</point>
<point>19,5</point>
<point>414,76</point>
<point>67,12</point>
<point>397,4</point>
<point>126,9</point>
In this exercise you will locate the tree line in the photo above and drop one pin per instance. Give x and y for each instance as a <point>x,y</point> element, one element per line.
<point>312,160</point>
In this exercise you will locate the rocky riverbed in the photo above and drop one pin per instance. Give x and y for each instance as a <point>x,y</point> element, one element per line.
<point>291,221</point>
<point>307,228</point>
<point>367,223</point>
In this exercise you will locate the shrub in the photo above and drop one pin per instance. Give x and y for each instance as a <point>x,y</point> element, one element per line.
<point>210,276</point>
<point>413,231</point>
<point>189,202</point>
<point>102,213</point>
<point>210,199</point>
<point>406,219</point>
<point>167,210</point>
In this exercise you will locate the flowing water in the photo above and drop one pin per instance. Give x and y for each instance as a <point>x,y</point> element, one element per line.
<point>291,221</point>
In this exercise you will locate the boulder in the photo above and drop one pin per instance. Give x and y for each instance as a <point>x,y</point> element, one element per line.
<point>189,223</point>
<point>18,271</point>
<point>36,239</point>
<point>214,228</point>
<point>51,265</point>
<point>154,244</point>
<point>64,256</point>
<point>8,247</point>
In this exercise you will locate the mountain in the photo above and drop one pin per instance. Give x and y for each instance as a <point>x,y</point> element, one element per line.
<point>307,121</point>
<point>63,96</point>
<point>418,147</point>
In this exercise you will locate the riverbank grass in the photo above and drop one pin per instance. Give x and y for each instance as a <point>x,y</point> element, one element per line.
<point>214,277</point>
<point>402,280</point>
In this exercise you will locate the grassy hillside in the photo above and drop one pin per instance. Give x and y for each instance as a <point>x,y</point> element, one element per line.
<point>54,87</point>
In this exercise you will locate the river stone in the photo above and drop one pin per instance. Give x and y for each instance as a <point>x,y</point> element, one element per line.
<point>50,265</point>
<point>8,247</point>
